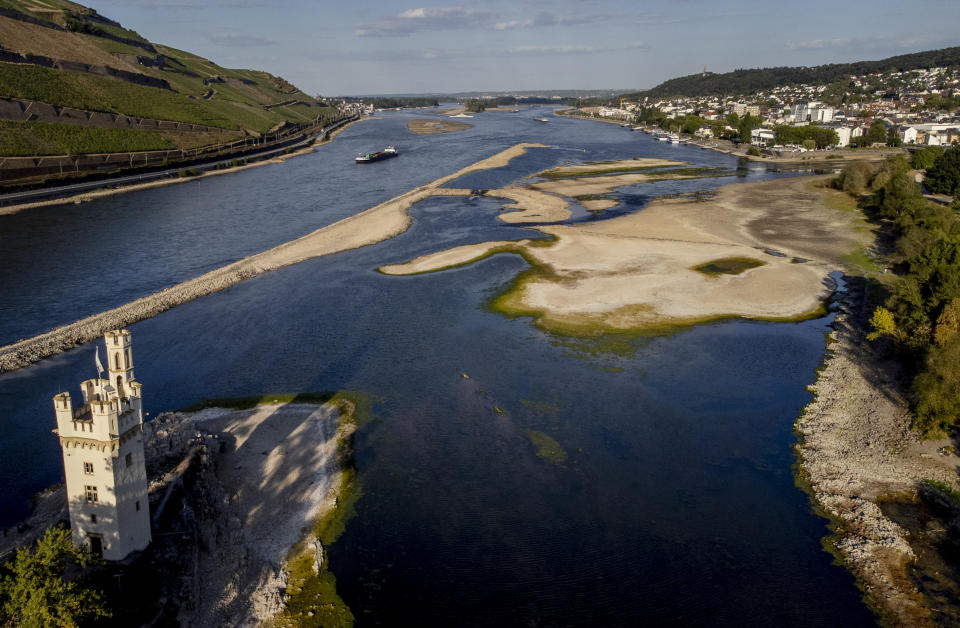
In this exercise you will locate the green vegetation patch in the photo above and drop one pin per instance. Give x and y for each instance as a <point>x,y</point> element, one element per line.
<point>547,448</point>
<point>592,197</point>
<point>559,173</point>
<point>728,266</point>
<point>41,138</point>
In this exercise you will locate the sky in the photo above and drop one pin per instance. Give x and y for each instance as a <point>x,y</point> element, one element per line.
<point>416,46</point>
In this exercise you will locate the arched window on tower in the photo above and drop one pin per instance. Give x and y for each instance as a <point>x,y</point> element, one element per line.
<point>116,361</point>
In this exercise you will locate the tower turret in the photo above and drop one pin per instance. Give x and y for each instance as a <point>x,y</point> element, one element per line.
<point>103,459</point>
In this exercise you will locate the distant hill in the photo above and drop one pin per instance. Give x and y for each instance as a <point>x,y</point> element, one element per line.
<point>73,81</point>
<point>751,81</point>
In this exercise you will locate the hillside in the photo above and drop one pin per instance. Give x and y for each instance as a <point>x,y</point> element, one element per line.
<point>122,92</point>
<point>752,81</point>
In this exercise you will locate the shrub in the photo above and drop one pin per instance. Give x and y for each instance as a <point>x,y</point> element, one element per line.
<point>855,178</point>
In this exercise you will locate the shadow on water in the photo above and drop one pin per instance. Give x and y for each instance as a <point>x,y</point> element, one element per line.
<point>933,525</point>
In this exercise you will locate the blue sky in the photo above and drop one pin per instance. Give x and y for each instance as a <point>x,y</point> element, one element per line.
<point>415,46</point>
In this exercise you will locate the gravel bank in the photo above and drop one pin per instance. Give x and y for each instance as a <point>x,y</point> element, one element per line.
<point>857,448</point>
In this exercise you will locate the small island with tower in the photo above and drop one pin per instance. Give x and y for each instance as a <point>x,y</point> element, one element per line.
<point>103,456</point>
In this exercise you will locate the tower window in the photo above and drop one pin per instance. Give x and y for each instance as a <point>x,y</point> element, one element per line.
<point>91,492</point>
<point>138,505</point>
<point>128,459</point>
<point>93,518</point>
<point>88,468</point>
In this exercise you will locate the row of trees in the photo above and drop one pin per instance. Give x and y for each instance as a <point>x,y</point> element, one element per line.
<point>820,136</point>
<point>690,124</point>
<point>922,313</point>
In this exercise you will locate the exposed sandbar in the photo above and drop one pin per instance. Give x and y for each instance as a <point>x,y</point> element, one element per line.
<point>450,258</point>
<point>368,227</point>
<point>597,204</point>
<point>531,205</point>
<point>612,166</point>
<point>597,185</point>
<point>637,271</point>
<point>433,127</point>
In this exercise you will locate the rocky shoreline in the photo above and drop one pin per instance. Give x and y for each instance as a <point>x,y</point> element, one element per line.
<point>857,450</point>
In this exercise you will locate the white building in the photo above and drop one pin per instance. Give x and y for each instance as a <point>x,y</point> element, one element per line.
<point>104,466</point>
<point>763,136</point>
<point>843,135</point>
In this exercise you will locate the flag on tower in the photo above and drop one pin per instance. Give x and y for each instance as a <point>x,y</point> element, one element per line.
<point>99,364</point>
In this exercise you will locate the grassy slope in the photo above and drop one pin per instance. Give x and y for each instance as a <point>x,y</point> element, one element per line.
<point>238,103</point>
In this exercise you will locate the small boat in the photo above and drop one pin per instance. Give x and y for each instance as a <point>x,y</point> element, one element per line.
<point>541,120</point>
<point>386,153</point>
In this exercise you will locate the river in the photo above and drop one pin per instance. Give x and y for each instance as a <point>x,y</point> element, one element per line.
<point>675,502</point>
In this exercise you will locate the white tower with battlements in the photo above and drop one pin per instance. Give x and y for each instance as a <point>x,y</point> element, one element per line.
<point>103,459</point>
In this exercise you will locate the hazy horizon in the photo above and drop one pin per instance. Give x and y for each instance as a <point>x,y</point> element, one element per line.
<point>528,45</point>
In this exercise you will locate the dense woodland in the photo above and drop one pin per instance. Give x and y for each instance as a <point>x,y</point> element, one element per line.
<point>765,79</point>
<point>921,314</point>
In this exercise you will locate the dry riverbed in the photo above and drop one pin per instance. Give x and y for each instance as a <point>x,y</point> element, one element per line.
<point>774,244</point>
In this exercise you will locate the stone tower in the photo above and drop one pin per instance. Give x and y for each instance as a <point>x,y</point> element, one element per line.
<point>103,461</point>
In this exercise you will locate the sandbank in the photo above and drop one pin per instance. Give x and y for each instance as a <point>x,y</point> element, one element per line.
<point>612,166</point>
<point>597,204</point>
<point>531,205</point>
<point>636,271</point>
<point>433,127</point>
<point>597,185</point>
<point>450,258</point>
<point>374,225</point>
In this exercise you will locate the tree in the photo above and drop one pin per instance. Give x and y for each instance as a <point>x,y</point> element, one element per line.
<point>948,324</point>
<point>877,133</point>
<point>809,144</point>
<point>34,591</point>
<point>924,158</point>
<point>943,176</point>
<point>936,390</point>
<point>883,324</point>
<point>855,177</point>
<point>893,138</point>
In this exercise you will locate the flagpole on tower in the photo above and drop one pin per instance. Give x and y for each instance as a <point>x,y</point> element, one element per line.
<point>99,371</point>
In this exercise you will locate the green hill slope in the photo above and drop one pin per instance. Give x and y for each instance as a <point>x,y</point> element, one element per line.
<point>752,81</point>
<point>66,55</point>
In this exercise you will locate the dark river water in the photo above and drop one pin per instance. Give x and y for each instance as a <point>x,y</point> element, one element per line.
<point>675,503</point>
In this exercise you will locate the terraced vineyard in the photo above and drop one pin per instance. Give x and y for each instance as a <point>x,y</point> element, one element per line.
<point>67,55</point>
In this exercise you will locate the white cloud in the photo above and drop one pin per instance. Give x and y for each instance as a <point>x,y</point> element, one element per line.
<point>428,19</point>
<point>459,18</point>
